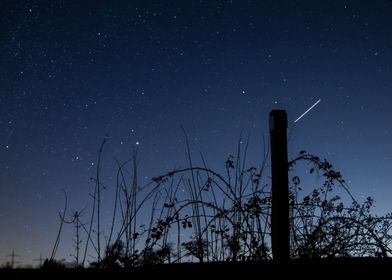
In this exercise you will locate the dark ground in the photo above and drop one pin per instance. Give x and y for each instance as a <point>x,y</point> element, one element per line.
<point>309,269</point>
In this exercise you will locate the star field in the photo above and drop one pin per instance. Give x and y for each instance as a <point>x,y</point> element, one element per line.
<point>75,72</point>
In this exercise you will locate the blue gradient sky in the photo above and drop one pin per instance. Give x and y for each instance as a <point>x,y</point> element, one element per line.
<point>73,71</point>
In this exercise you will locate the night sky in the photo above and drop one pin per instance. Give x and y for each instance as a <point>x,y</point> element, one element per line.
<point>72,72</point>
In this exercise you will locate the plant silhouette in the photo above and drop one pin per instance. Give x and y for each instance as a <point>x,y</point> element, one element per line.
<point>198,213</point>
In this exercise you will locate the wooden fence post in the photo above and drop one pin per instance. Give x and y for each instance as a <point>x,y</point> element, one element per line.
<point>280,222</point>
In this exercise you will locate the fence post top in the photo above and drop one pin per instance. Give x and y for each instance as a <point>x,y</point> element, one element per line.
<point>278,119</point>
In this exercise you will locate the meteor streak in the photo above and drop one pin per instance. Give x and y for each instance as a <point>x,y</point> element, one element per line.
<point>307,111</point>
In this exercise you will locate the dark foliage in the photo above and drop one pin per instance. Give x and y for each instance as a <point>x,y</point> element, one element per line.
<point>200,213</point>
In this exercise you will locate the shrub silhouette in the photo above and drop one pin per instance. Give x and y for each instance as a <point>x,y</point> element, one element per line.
<point>322,226</point>
<point>196,248</point>
<point>198,212</point>
<point>51,264</point>
<point>114,256</point>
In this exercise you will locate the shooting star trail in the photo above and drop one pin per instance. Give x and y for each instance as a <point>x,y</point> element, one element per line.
<point>307,111</point>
